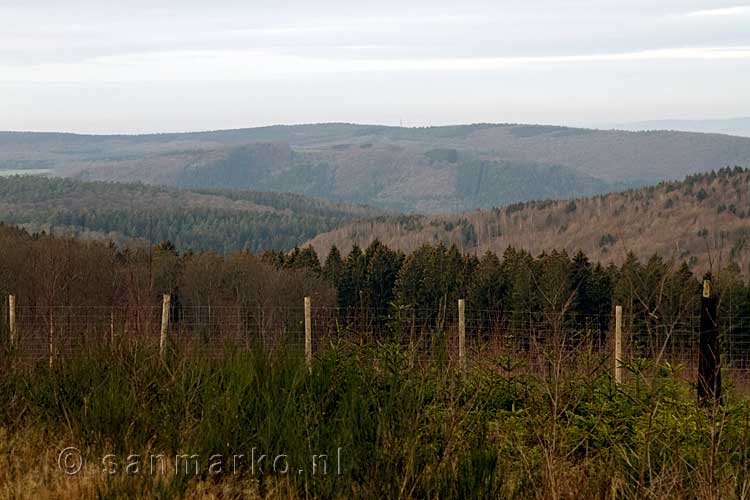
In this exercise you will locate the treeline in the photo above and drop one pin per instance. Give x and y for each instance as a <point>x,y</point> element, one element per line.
<point>47,272</point>
<point>518,286</point>
<point>222,231</point>
<point>725,175</point>
<point>372,285</point>
<point>223,221</point>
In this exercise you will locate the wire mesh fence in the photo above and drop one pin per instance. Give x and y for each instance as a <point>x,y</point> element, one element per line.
<point>57,333</point>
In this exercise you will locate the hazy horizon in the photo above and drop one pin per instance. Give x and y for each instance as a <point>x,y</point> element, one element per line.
<point>655,124</point>
<point>89,67</point>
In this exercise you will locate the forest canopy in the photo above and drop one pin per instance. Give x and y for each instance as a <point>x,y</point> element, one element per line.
<point>220,220</point>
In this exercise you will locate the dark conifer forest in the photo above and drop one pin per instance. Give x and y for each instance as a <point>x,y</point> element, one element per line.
<point>210,219</point>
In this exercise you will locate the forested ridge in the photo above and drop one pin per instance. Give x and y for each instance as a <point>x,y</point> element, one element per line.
<point>445,169</point>
<point>207,219</point>
<point>703,220</point>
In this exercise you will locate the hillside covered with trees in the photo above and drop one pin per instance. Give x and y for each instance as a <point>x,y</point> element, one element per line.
<point>218,220</point>
<point>425,170</point>
<point>703,220</point>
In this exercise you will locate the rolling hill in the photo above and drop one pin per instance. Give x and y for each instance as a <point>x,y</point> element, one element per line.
<point>731,126</point>
<point>427,170</point>
<point>209,219</point>
<point>703,220</point>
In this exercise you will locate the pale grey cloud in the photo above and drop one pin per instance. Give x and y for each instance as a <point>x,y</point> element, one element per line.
<point>298,61</point>
<point>724,11</point>
<point>249,65</point>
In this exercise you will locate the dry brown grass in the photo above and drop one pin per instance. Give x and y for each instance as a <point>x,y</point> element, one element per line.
<point>29,471</point>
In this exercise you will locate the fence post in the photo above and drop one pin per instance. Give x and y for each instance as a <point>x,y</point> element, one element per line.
<point>462,334</point>
<point>618,344</point>
<point>12,320</point>
<point>166,299</point>
<point>308,333</point>
<point>51,338</point>
<point>112,328</point>
<point>709,359</point>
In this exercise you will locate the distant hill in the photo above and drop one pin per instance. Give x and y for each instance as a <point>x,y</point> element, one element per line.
<point>219,220</point>
<point>428,170</point>
<point>729,126</point>
<point>702,220</point>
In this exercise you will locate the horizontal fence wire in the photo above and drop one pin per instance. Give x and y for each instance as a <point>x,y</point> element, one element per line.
<point>42,332</point>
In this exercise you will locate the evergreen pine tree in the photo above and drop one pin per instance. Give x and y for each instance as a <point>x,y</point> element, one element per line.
<point>333,266</point>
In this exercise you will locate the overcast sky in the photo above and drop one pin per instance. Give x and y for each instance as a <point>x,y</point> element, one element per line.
<point>144,66</point>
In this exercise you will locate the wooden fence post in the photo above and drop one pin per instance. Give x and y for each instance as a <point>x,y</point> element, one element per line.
<point>166,299</point>
<point>618,344</point>
<point>308,333</point>
<point>462,334</point>
<point>112,328</point>
<point>51,338</point>
<point>12,320</point>
<point>709,359</point>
